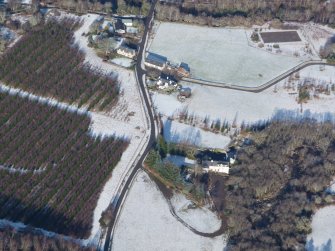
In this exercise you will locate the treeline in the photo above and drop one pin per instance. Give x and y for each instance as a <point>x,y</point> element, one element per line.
<point>10,239</point>
<point>221,12</point>
<point>46,62</point>
<point>279,181</point>
<point>136,7</point>
<point>74,166</point>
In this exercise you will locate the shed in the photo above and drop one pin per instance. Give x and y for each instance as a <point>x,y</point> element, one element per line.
<point>185,92</point>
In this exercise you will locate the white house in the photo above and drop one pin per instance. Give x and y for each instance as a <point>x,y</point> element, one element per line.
<point>219,168</point>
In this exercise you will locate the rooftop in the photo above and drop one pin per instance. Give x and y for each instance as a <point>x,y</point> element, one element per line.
<point>155,58</point>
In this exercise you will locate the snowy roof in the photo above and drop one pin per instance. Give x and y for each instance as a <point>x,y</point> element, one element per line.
<point>126,49</point>
<point>156,59</point>
<point>127,21</point>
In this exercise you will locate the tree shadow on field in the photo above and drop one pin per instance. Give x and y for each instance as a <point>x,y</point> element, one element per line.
<point>46,218</point>
<point>190,135</point>
<point>327,246</point>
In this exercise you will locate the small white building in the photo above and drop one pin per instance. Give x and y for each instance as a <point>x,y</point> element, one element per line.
<point>127,52</point>
<point>219,168</point>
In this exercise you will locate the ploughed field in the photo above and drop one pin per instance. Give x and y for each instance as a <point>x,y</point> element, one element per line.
<point>46,62</point>
<point>72,166</point>
<point>280,37</point>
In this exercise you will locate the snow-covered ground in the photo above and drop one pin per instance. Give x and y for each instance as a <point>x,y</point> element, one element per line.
<point>225,104</point>
<point>126,118</point>
<point>145,223</point>
<point>316,34</point>
<point>219,54</point>
<point>177,132</point>
<point>202,219</point>
<point>179,160</point>
<point>19,226</point>
<point>322,237</point>
<point>13,169</point>
<point>125,62</point>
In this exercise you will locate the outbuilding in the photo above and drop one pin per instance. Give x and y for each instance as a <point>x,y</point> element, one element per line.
<point>156,61</point>
<point>185,92</point>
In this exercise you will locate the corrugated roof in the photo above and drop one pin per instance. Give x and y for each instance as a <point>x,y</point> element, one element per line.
<point>155,58</point>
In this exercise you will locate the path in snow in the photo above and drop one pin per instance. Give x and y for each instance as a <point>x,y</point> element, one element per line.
<point>127,117</point>
<point>250,107</point>
<point>156,229</point>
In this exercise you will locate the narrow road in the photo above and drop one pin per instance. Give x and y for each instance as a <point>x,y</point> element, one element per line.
<point>140,74</point>
<point>260,88</point>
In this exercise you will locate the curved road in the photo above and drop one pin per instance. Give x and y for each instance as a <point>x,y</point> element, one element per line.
<point>260,88</point>
<point>140,74</point>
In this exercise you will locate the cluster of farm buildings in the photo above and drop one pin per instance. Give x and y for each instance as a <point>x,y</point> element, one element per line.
<point>169,73</point>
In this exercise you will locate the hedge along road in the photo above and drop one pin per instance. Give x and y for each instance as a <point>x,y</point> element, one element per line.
<point>262,87</point>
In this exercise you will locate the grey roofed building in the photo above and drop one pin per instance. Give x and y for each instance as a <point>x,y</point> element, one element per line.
<point>156,59</point>
<point>185,92</point>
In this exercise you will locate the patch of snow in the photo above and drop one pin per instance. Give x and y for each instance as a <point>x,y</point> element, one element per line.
<point>219,54</point>
<point>230,105</point>
<point>322,237</point>
<point>180,160</point>
<point>125,62</point>
<point>177,132</point>
<point>202,219</point>
<point>19,226</point>
<point>145,223</point>
<point>12,169</point>
<point>7,34</point>
<point>43,100</point>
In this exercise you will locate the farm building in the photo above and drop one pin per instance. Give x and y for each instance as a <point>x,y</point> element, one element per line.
<point>127,52</point>
<point>184,70</point>
<point>214,161</point>
<point>156,61</point>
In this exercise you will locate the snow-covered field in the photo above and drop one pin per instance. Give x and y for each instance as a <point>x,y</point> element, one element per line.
<point>181,133</point>
<point>145,223</point>
<point>322,237</point>
<point>179,160</point>
<point>202,219</point>
<point>249,107</point>
<point>125,62</point>
<point>219,54</point>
